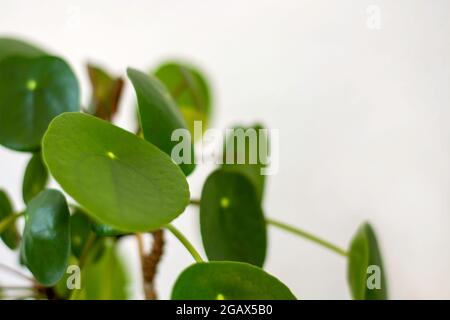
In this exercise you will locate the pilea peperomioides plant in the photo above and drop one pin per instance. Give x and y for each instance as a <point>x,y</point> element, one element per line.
<point>126,184</point>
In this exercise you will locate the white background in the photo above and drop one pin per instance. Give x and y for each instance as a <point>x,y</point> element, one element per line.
<point>363,117</point>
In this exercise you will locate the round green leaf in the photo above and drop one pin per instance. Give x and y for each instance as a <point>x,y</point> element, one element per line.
<point>159,115</point>
<point>35,178</point>
<point>46,237</point>
<point>80,230</point>
<point>242,153</point>
<point>366,274</point>
<point>15,47</point>
<point>10,236</point>
<point>32,92</point>
<point>228,281</point>
<point>117,177</point>
<point>189,88</point>
<point>231,219</point>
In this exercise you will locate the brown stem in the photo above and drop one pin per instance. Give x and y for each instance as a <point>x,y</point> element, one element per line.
<point>150,263</point>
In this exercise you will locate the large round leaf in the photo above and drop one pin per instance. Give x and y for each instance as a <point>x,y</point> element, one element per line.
<point>32,92</point>
<point>228,281</point>
<point>160,116</point>
<point>120,179</point>
<point>243,151</point>
<point>10,236</point>
<point>366,274</point>
<point>46,238</point>
<point>231,219</point>
<point>189,88</point>
<point>15,47</point>
<point>35,178</point>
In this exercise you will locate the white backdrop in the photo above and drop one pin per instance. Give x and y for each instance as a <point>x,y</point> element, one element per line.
<point>363,116</point>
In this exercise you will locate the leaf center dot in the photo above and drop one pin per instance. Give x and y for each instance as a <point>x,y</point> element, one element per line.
<point>31,84</point>
<point>224,202</point>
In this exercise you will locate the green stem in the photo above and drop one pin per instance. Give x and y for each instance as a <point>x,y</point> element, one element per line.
<point>194,253</point>
<point>195,202</point>
<point>5,223</point>
<point>308,236</point>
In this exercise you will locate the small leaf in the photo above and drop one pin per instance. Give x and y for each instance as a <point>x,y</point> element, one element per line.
<point>231,219</point>
<point>106,93</point>
<point>366,274</point>
<point>32,92</point>
<point>242,153</point>
<point>104,230</point>
<point>104,275</point>
<point>159,115</point>
<point>228,281</point>
<point>15,47</point>
<point>35,178</point>
<point>119,179</point>
<point>46,238</point>
<point>10,236</point>
<point>80,229</point>
<point>189,88</point>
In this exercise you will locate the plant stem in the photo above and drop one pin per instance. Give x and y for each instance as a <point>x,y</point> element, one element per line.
<point>308,236</point>
<point>195,202</point>
<point>5,223</point>
<point>86,249</point>
<point>194,253</point>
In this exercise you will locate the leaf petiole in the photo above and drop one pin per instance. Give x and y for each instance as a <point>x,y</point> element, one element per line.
<point>194,253</point>
<point>308,236</point>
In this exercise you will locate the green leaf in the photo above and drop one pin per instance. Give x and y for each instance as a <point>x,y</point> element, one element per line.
<point>364,254</point>
<point>10,236</point>
<point>104,275</point>
<point>105,230</point>
<point>35,178</point>
<point>228,281</point>
<point>80,230</point>
<point>242,153</point>
<point>159,115</point>
<point>32,92</point>
<point>119,179</point>
<point>15,47</point>
<point>46,237</point>
<point>106,92</point>
<point>189,88</point>
<point>231,219</point>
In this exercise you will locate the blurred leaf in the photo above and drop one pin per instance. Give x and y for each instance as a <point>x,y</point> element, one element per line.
<point>32,92</point>
<point>80,229</point>
<point>15,47</point>
<point>118,178</point>
<point>10,236</point>
<point>61,289</point>
<point>363,253</point>
<point>104,275</point>
<point>228,281</point>
<point>231,219</point>
<point>106,93</point>
<point>243,150</point>
<point>35,178</point>
<point>105,230</point>
<point>159,115</point>
<point>189,88</point>
<point>46,238</point>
